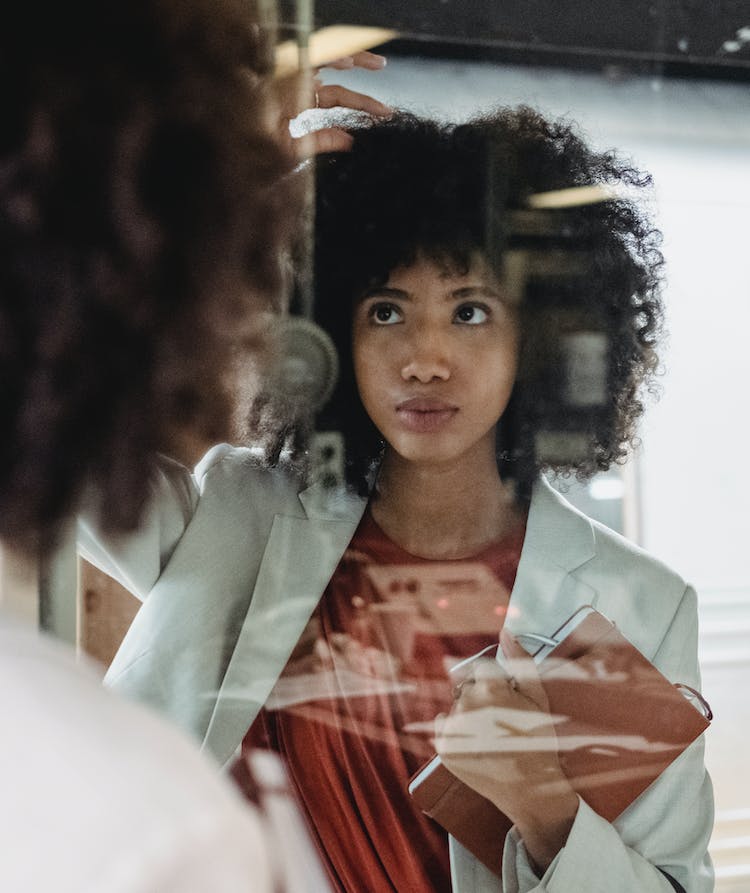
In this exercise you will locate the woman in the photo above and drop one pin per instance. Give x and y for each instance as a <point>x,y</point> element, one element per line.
<point>321,623</point>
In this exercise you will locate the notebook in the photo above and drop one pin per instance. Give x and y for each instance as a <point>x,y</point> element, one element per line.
<point>619,724</point>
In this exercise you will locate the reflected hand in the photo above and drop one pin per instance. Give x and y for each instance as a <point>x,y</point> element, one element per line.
<point>499,739</point>
<point>299,93</point>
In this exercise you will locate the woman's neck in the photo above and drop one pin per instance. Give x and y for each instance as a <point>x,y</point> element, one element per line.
<point>441,512</point>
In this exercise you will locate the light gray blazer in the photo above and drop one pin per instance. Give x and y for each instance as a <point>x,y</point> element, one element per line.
<point>233,561</point>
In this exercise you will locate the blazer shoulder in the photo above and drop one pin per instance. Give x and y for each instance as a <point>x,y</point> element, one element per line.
<point>641,593</point>
<point>617,552</point>
<point>575,540</point>
<point>237,475</point>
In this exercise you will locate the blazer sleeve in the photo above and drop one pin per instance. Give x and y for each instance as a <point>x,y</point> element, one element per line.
<point>665,832</point>
<point>137,559</point>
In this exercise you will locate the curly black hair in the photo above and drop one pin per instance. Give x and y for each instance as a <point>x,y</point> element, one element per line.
<point>414,187</point>
<point>140,215</point>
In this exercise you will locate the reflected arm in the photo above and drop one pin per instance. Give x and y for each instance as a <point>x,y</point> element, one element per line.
<point>137,559</point>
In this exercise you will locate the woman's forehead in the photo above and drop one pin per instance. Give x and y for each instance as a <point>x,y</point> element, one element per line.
<point>455,261</point>
<point>466,264</point>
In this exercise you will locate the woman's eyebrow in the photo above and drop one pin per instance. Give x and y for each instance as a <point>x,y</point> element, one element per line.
<point>385,291</point>
<point>463,293</point>
<point>473,291</point>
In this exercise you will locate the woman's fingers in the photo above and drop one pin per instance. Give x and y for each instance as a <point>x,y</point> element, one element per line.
<point>327,139</point>
<point>510,681</point>
<point>523,669</point>
<point>298,93</point>
<point>334,139</point>
<point>335,96</point>
<point>365,59</point>
<point>486,684</point>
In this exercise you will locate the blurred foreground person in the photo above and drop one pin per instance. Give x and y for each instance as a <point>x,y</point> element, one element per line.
<point>139,221</point>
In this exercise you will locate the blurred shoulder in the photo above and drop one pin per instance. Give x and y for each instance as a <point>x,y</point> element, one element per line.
<point>108,771</point>
<point>237,474</point>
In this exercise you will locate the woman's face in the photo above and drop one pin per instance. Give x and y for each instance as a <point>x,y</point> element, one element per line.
<point>435,358</point>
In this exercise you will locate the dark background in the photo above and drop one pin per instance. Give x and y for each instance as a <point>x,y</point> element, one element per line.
<point>667,37</point>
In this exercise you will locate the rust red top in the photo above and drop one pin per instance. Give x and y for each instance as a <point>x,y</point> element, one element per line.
<point>352,714</point>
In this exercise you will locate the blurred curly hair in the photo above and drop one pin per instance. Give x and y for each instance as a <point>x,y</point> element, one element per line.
<point>140,215</point>
<point>414,187</point>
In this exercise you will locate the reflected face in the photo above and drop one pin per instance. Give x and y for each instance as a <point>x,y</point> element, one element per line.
<point>435,358</point>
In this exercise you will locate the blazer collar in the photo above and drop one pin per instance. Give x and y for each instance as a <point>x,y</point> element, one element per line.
<point>559,540</point>
<point>557,530</point>
<point>300,557</point>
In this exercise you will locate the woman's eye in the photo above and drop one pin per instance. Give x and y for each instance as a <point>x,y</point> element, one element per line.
<point>384,314</point>
<point>472,314</point>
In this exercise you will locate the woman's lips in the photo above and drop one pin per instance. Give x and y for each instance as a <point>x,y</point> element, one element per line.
<point>422,415</point>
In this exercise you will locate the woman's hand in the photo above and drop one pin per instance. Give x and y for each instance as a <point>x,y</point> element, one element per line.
<point>499,738</point>
<point>299,93</point>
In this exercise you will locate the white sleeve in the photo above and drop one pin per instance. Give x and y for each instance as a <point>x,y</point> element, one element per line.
<point>668,827</point>
<point>136,559</point>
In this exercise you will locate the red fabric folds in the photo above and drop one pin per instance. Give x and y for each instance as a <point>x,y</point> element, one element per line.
<point>353,712</point>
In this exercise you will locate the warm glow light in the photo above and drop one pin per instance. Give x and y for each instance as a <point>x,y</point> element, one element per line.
<point>329,44</point>
<point>572,198</point>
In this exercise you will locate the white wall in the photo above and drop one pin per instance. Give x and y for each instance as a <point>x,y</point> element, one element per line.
<point>696,489</point>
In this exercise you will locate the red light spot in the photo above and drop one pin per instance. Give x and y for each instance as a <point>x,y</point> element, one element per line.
<point>500,610</point>
<point>443,603</point>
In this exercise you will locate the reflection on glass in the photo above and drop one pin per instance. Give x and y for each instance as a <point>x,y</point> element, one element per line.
<point>242,655</point>
<point>481,341</point>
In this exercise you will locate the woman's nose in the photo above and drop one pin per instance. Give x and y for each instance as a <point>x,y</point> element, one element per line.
<point>427,358</point>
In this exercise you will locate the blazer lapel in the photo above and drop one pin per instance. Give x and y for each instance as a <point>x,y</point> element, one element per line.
<point>300,558</point>
<point>558,541</point>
